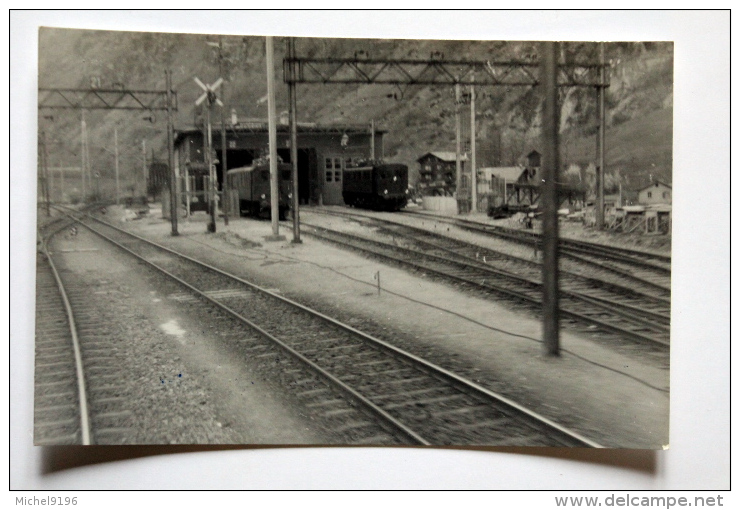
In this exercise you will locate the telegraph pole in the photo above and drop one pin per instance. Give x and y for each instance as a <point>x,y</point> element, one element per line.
<point>83,154</point>
<point>294,142</point>
<point>61,184</point>
<point>211,173</point>
<point>170,155</point>
<point>118,182</point>
<point>458,165</point>
<point>600,142</point>
<point>223,137</point>
<point>372,138</point>
<point>473,171</point>
<point>549,52</point>
<point>272,136</point>
<point>45,173</point>
<point>143,169</point>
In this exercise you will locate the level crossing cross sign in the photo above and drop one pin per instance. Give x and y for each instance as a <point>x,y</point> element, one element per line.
<point>209,92</point>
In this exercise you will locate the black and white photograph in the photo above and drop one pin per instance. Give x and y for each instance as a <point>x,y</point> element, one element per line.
<point>285,240</point>
<point>281,240</point>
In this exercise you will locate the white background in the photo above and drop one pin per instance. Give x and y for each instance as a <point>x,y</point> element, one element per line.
<point>699,455</point>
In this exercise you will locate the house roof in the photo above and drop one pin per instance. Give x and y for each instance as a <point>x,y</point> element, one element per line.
<point>446,156</point>
<point>261,126</point>
<point>653,184</point>
<point>510,173</point>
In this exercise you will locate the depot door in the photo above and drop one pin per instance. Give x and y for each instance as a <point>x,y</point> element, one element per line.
<point>332,180</point>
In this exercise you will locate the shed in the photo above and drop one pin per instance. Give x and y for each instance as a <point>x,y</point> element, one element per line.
<point>323,152</point>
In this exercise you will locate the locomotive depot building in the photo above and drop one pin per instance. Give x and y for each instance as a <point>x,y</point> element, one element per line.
<point>324,151</point>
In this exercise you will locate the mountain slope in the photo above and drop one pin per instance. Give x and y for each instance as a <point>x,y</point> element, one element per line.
<point>418,119</point>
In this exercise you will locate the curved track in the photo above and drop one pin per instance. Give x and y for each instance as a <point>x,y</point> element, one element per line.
<point>60,396</point>
<point>77,383</point>
<point>414,400</point>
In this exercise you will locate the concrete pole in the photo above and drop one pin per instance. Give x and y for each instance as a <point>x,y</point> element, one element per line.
<point>458,166</point>
<point>294,140</point>
<point>549,52</point>
<point>115,152</point>
<point>600,143</point>
<point>473,168</point>
<point>272,137</point>
<point>170,155</point>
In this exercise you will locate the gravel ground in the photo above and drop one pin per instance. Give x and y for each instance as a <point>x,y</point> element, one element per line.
<point>492,344</point>
<point>181,381</point>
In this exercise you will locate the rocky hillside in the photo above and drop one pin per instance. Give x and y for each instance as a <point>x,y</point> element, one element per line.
<point>418,118</point>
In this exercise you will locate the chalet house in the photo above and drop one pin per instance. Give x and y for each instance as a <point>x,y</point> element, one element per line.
<point>437,175</point>
<point>657,192</point>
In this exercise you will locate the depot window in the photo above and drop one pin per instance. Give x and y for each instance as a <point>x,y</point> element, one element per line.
<point>328,176</point>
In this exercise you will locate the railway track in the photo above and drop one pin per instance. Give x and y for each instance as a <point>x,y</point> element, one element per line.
<point>411,399</point>
<point>447,258</point>
<point>60,396</point>
<point>646,269</point>
<point>76,382</point>
<point>643,301</point>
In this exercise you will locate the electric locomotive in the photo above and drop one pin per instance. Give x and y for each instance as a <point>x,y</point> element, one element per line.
<point>376,185</point>
<point>249,190</point>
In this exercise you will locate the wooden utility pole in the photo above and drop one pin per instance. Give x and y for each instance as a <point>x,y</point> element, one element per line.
<point>272,137</point>
<point>143,169</point>
<point>45,174</point>
<point>83,154</point>
<point>211,173</point>
<point>372,138</point>
<point>170,155</point>
<point>458,163</point>
<point>224,166</point>
<point>293,119</point>
<point>473,170</point>
<point>600,142</point>
<point>115,153</point>
<point>549,53</point>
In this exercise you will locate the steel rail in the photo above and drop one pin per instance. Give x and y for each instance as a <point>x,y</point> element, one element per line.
<point>592,281</point>
<point>79,367</point>
<point>488,286</point>
<point>624,254</point>
<point>428,366</point>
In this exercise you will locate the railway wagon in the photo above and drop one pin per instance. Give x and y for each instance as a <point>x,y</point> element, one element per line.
<point>380,186</point>
<point>251,185</point>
